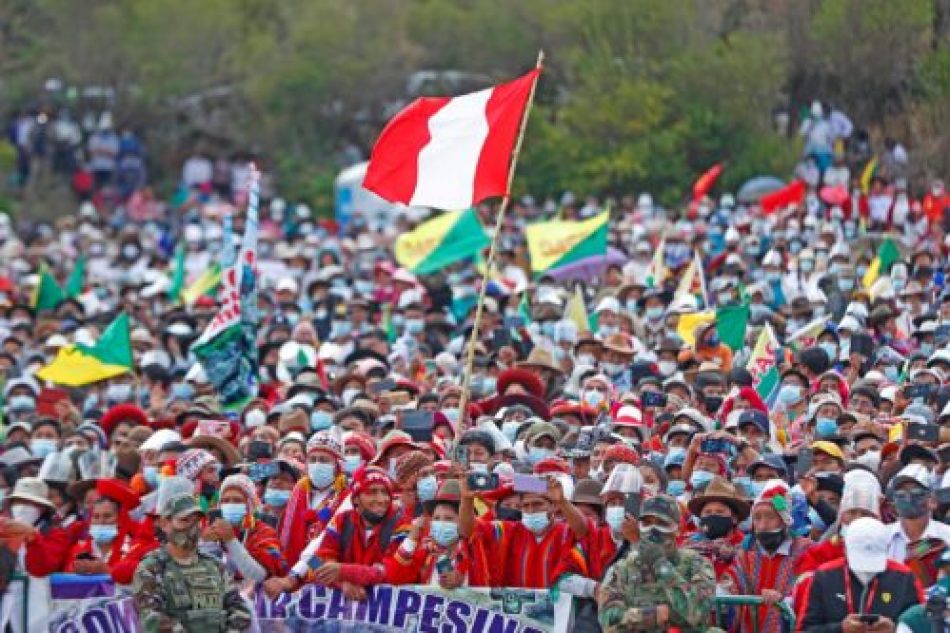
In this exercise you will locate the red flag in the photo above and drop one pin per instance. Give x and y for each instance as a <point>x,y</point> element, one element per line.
<point>792,193</point>
<point>450,152</point>
<point>702,186</point>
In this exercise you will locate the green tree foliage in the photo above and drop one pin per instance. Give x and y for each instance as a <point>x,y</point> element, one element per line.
<point>637,95</point>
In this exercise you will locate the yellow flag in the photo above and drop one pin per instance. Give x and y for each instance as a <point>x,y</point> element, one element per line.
<point>868,174</point>
<point>687,281</point>
<point>202,285</point>
<point>686,327</point>
<point>657,272</point>
<point>560,242</point>
<point>576,312</point>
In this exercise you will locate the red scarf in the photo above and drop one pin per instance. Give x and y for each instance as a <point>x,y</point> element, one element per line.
<point>300,523</point>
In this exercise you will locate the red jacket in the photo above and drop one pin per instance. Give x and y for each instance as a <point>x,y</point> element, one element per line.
<point>129,548</point>
<point>597,548</point>
<point>419,567</point>
<point>362,548</point>
<point>754,572</point>
<point>261,543</point>
<point>299,523</point>
<point>525,560</point>
<point>49,551</point>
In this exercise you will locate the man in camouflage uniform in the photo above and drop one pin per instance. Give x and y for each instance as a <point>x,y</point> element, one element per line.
<point>180,590</point>
<point>657,586</point>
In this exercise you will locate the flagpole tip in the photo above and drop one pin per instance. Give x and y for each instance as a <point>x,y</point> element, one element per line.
<point>540,62</point>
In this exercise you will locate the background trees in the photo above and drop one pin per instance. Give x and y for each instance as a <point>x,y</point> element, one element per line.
<point>638,95</point>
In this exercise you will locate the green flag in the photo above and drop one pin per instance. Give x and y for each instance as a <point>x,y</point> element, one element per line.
<point>47,294</point>
<point>77,278</point>
<point>731,322</point>
<point>114,347</point>
<point>524,308</point>
<point>178,275</point>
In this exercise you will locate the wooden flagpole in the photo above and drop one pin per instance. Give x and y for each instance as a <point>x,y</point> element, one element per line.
<point>489,263</point>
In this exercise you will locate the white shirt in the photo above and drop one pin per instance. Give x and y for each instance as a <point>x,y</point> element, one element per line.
<point>897,540</point>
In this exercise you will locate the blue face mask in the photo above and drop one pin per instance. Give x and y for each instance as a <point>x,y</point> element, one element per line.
<point>548,329</point>
<point>826,427</point>
<point>276,498</point>
<point>340,329</point>
<point>351,463</point>
<point>22,404</point>
<point>846,284</point>
<point>103,534</point>
<point>321,475</point>
<point>654,313</point>
<point>676,487</point>
<point>756,488</point>
<point>744,484</point>
<point>415,326</point>
<point>398,321</point>
<point>614,516</point>
<point>42,447</point>
<point>631,305</point>
<point>150,474</point>
<point>536,454</point>
<point>536,522</point>
<point>426,488</point>
<point>789,394</point>
<point>831,350</point>
<point>891,373</point>
<point>233,513</point>
<point>182,391</point>
<point>510,429</point>
<point>700,479</point>
<point>607,330</point>
<point>320,420</point>
<point>444,532</point>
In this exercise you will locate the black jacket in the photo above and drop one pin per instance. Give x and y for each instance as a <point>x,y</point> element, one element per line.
<point>896,589</point>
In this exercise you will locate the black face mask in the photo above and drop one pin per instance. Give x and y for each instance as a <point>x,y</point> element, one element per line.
<point>508,514</point>
<point>712,403</point>
<point>771,540</point>
<point>372,517</point>
<point>716,526</point>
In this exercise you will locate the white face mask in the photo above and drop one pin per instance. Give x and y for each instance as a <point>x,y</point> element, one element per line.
<point>871,459</point>
<point>667,367</point>
<point>25,513</point>
<point>255,418</point>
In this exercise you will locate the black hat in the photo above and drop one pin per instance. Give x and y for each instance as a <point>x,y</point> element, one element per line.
<point>832,482</point>
<point>815,359</point>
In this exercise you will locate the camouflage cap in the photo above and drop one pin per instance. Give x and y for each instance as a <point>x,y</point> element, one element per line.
<point>662,507</point>
<point>181,506</point>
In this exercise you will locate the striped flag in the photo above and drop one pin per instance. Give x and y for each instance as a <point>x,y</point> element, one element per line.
<point>763,364</point>
<point>450,152</point>
<point>443,240</point>
<point>559,242</point>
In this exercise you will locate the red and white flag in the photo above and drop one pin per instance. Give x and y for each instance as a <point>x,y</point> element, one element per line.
<point>450,152</point>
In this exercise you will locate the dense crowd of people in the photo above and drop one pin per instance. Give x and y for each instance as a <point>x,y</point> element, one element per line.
<point>637,467</point>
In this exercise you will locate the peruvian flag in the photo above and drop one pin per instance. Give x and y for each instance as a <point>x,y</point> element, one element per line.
<point>792,193</point>
<point>450,152</point>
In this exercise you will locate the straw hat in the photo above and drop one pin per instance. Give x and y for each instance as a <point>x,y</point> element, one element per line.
<point>723,491</point>
<point>32,490</point>
<point>540,358</point>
